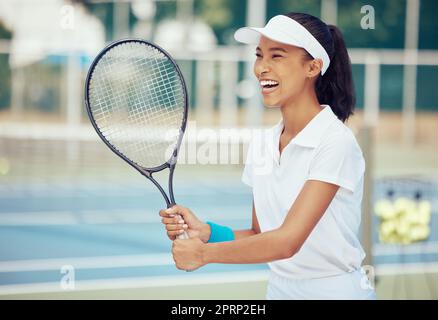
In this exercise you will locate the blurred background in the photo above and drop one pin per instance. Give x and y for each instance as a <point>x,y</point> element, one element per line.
<point>77,222</point>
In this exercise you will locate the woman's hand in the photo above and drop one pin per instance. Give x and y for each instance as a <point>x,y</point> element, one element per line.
<point>188,254</point>
<point>178,219</point>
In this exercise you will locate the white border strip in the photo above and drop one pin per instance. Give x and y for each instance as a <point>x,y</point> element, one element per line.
<point>122,261</point>
<point>99,217</point>
<point>190,280</point>
<point>51,131</point>
<point>149,282</point>
<point>418,248</point>
<point>406,268</point>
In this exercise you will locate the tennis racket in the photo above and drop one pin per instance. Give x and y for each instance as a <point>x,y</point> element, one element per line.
<point>136,99</point>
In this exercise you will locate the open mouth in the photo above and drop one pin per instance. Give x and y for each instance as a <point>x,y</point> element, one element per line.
<point>268,85</point>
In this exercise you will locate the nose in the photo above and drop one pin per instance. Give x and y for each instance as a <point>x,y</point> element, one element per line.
<point>261,67</point>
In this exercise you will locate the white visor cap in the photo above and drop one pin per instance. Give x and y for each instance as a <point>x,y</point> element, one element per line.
<point>285,30</point>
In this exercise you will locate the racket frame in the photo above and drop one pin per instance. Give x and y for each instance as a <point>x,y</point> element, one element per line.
<point>171,163</point>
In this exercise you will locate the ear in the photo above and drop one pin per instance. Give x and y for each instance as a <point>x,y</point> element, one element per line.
<point>314,68</point>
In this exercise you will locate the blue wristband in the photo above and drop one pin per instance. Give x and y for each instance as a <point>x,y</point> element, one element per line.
<point>220,233</point>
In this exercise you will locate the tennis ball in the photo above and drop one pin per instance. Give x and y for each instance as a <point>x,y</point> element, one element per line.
<point>403,204</point>
<point>424,212</point>
<point>382,207</point>
<point>403,227</point>
<point>388,227</point>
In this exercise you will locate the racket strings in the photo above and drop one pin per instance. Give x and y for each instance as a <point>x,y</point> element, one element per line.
<point>138,102</point>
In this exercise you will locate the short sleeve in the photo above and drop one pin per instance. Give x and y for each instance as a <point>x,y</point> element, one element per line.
<point>247,175</point>
<point>338,160</point>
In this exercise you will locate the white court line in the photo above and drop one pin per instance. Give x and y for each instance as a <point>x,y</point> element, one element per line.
<point>97,217</point>
<point>144,282</point>
<point>102,262</point>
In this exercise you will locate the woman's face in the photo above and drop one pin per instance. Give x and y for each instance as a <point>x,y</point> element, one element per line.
<point>281,71</point>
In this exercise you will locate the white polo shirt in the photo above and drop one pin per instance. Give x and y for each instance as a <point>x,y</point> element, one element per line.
<point>324,150</point>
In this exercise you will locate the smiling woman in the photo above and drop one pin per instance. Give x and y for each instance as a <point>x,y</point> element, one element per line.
<point>309,46</point>
<point>306,173</point>
<point>281,71</point>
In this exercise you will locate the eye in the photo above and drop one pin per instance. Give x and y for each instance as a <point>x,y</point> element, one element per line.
<point>274,56</point>
<point>258,55</point>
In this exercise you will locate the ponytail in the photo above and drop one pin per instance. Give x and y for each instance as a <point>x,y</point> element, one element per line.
<point>335,87</point>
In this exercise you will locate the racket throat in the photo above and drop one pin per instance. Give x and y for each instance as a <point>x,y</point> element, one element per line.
<point>170,200</point>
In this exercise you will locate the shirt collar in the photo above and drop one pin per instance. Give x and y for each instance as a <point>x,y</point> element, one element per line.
<point>313,132</point>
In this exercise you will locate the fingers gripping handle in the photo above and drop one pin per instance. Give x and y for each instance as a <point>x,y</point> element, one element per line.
<point>182,236</point>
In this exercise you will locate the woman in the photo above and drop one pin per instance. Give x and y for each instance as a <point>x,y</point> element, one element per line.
<point>306,172</point>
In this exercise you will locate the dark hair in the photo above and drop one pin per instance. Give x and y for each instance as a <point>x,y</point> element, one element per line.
<point>335,87</point>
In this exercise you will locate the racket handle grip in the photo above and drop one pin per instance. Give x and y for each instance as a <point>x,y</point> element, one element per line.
<point>184,235</point>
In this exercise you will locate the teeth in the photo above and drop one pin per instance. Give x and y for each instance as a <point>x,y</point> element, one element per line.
<point>268,83</point>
